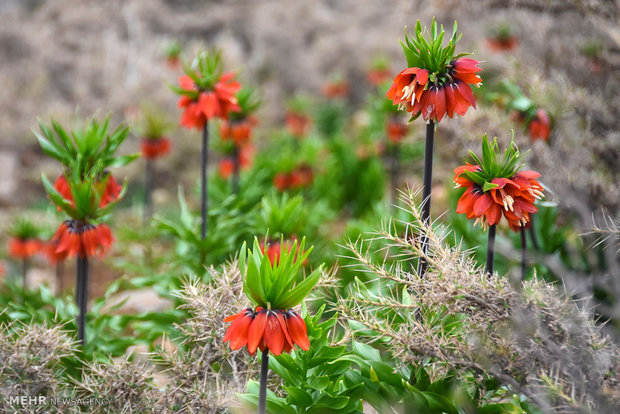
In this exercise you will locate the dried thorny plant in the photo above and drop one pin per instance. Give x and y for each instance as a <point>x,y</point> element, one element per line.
<point>530,336</point>
<point>30,363</point>
<point>126,386</point>
<point>204,374</point>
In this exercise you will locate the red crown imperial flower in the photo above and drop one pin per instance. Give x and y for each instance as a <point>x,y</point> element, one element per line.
<point>206,92</point>
<point>274,286</point>
<point>495,187</point>
<point>436,83</point>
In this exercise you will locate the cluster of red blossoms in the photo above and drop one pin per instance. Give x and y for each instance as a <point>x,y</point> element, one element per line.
<point>227,165</point>
<point>217,102</point>
<point>540,125</point>
<point>335,89</point>
<point>300,177</point>
<point>75,237</point>
<point>514,197</point>
<point>396,131</point>
<point>297,124</point>
<point>412,90</point>
<point>277,330</point>
<point>239,131</point>
<point>110,193</point>
<point>153,148</point>
<point>24,248</point>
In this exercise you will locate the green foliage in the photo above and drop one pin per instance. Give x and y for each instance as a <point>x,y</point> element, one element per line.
<point>248,100</point>
<point>493,165</point>
<point>24,229</point>
<point>320,380</point>
<point>278,285</point>
<point>153,123</point>
<point>83,149</point>
<point>205,70</point>
<point>281,215</point>
<point>430,54</point>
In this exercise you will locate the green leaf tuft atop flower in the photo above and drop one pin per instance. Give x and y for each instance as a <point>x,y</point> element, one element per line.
<point>281,284</point>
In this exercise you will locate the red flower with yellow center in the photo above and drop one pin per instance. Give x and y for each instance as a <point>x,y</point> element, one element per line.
<point>412,91</point>
<point>153,148</point>
<point>24,248</point>
<point>278,330</point>
<point>208,104</point>
<point>76,238</point>
<point>487,198</point>
<point>436,83</point>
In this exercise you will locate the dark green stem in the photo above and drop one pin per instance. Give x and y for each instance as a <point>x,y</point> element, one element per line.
<point>491,250</point>
<point>81,275</point>
<point>523,253</point>
<point>148,189</point>
<point>426,194</point>
<point>203,184</point>
<point>262,390</point>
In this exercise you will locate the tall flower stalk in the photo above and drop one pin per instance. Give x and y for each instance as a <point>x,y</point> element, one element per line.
<point>495,186</point>
<point>273,287</point>
<point>206,93</point>
<point>86,192</point>
<point>237,130</point>
<point>154,144</point>
<point>435,84</point>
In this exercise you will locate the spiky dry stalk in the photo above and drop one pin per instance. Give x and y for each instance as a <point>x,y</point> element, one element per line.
<point>530,336</point>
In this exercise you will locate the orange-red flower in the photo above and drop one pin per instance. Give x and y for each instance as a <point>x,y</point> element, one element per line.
<point>218,102</point>
<point>49,250</point>
<point>153,148</point>
<point>503,44</point>
<point>412,90</point>
<point>302,176</point>
<point>334,90</point>
<point>540,125</point>
<point>396,131</point>
<point>227,165</point>
<point>110,193</point>
<point>297,124</point>
<point>239,131</point>
<point>24,248</point>
<point>277,330</point>
<point>377,76</point>
<point>74,237</point>
<point>513,197</point>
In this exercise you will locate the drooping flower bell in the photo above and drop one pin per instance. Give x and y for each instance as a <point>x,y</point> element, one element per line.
<point>496,187</point>
<point>77,238</point>
<point>206,92</point>
<point>226,166</point>
<point>300,177</point>
<point>153,148</point>
<point>24,242</point>
<point>436,83</point>
<point>540,125</point>
<point>274,288</point>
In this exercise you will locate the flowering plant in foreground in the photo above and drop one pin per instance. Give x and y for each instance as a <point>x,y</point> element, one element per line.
<point>495,187</point>
<point>436,83</point>
<point>86,193</point>
<point>273,288</point>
